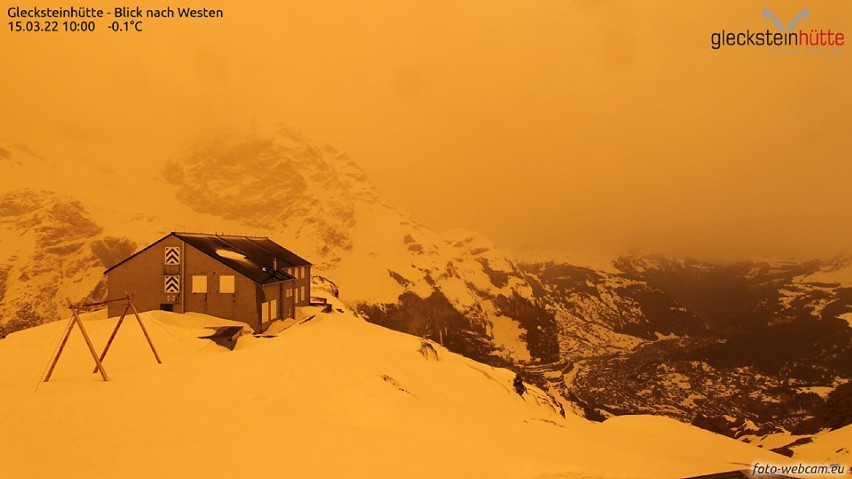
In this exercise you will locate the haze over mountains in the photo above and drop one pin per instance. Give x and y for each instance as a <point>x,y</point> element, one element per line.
<point>507,119</point>
<point>765,345</point>
<point>582,193</point>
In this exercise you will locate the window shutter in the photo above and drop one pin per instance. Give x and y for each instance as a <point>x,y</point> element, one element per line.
<point>172,256</point>
<point>171,284</point>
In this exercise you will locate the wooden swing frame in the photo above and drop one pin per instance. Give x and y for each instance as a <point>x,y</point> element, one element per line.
<point>76,309</point>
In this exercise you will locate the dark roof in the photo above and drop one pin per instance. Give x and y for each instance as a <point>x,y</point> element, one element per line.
<point>225,336</point>
<point>253,257</point>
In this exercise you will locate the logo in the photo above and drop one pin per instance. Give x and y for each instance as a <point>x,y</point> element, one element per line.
<point>784,37</point>
<point>768,15</point>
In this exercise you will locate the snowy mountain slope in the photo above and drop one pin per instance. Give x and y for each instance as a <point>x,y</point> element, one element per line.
<point>310,403</point>
<point>456,288</point>
<point>51,250</point>
<point>317,201</point>
<point>754,366</point>
<point>837,271</point>
<point>604,313</point>
<point>832,447</point>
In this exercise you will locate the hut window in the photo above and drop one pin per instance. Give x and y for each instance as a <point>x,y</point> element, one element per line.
<point>269,310</point>
<point>226,284</point>
<point>199,284</point>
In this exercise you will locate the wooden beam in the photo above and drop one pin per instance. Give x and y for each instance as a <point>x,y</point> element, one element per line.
<point>99,303</point>
<point>100,366</point>
<point>112,336</point>
<point>55,359</point>
<point>75,319</point>
<point>128,307</point>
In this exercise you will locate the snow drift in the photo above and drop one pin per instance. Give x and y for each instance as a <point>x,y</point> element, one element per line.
<point>333,396</point>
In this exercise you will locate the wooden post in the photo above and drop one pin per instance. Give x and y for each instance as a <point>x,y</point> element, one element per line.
<point>98,363</point>
<point>75,319</point>
<point>112,336</point>
<point>55,359</point>
<point>130,306</point>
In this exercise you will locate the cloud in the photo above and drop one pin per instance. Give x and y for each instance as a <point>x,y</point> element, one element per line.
<point>564,125</point>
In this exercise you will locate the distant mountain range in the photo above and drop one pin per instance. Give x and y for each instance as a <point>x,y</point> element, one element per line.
<point>746,349</point>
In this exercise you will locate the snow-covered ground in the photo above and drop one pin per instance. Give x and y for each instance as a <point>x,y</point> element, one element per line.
<point>847,317</point>
<point>832,447</point>
<point>829,447</point>
<point>332,397</point>
<point>837,271</point>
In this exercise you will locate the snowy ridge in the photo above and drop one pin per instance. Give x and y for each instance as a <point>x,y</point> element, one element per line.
<point>310,403</point>
<point>326,209</point>
<point>52,251</point>
<point>837,271</point>
<point>598,323</point>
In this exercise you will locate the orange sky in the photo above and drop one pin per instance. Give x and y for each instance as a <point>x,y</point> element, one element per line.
<point>548,124</point>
